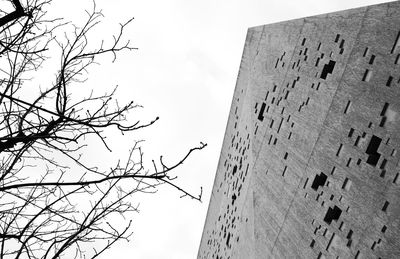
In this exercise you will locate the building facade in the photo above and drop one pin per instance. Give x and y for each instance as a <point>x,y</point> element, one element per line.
<point>309,166</point>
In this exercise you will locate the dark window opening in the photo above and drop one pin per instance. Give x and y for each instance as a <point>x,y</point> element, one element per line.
<point>372,150</point>
<point>234,198</point>
<point>383,230</point>
<point>372,59</point>
<point>389,81</point>
<point>285,156</point>
<point>349,234</point>
<point>351,133</point>
<point>228,239</point>
<point>385,206</point>
<point>383,113</point>
<point>328,69</point>
<point>341,44</point>
<point>337,37</point>
<point>333,214</point>
<point>261,114</point>
<point>303,42</point>
<point>319,180</point>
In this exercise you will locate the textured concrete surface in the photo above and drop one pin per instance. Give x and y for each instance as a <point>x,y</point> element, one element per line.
<point>309,166</point>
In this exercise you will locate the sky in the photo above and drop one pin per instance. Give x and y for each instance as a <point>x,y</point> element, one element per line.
<point>184,71</point>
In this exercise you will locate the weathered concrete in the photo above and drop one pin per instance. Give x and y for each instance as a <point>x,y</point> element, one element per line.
<point>309,166</point>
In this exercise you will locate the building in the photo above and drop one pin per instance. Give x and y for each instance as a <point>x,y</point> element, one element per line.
<point>309,166</point>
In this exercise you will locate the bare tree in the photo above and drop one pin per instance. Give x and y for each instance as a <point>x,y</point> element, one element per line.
<point>48,207</point>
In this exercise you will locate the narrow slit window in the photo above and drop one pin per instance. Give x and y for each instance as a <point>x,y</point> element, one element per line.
<point>280,125</point>
<point>330,241</point>
<point>346,109</point>
<point>397,61</point>
<point>339,150</point>
<point>317,63</point>
<point>366,51</point>
<point>270,139</point>
<point>303,42</point>
<point>396,179</point>
<point>346,184</point>
<point>284,171</point>
<point>396,43</point>
<point>383,164</point>
<point>348,162</point>
<point>305,183</point>
<point>286,95</point>
<point>367,75</point>
<point>266,96</point>
<point>319,46</point>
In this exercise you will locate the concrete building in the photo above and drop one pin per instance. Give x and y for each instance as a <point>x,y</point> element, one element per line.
<point>309,166</point>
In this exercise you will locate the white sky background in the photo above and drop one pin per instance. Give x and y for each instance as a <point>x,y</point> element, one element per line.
<point>185,72</point>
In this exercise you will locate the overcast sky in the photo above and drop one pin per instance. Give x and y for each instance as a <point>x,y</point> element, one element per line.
<point>185,72</point>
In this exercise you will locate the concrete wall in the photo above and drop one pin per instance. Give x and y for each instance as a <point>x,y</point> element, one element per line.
<point>309,166</point>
